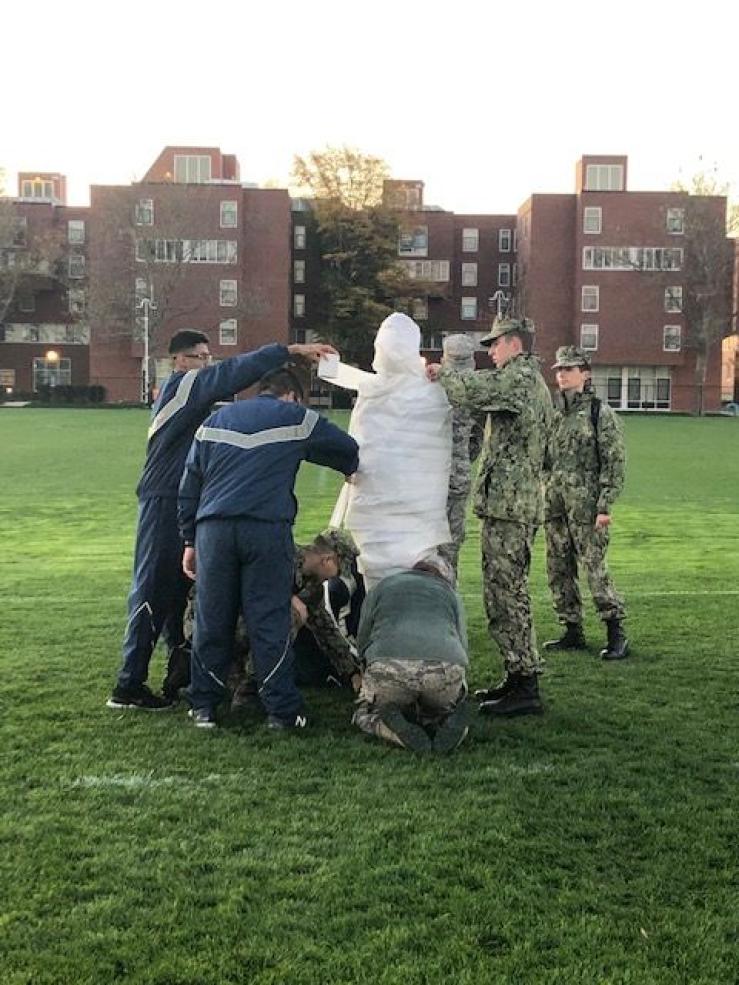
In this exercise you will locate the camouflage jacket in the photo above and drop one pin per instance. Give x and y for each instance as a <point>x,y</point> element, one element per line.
<point>518,407</point>
<point>320,622</point>
<point>586,477</point>
<point>466,442</point>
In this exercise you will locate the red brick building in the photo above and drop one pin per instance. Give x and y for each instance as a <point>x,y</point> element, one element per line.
<point>44,334</point>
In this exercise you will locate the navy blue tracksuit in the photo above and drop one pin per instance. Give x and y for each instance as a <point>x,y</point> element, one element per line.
<point>237,505</point>
<point>159,589</point>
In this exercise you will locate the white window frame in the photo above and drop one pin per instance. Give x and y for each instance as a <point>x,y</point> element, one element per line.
<point>75,230</point>
<point>604,178</point>
<point>675,222</point>
<point>7,378</point>
<point>193,165</point>
<point>298,271</point>
<point>432,270</point>
<point>413,242</point>
<point>592,291</point>
<point>299,237</point>
<point>468,308</point>
<point>420,309</point>
<point>299,305</point>
<point>76,300</point>
<point>76,266</point>
<point>589,336</point>
<point>641,258</point>
<point>228,332</point>
<point>228,293</point>
<point>515,240</point>
<point>504,275</point>
<point>144,212</point>
<point>670,333</point>
<point>229,209</point>
<point>505,240</point>
<point>470,240</point>
<point>592,216</point>
<point>51,374</point>
<point>469,275</point>
<point>674,299</point>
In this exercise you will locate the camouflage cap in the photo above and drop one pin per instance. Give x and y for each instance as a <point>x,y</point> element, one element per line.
<point>504,325</point>
<point>459,351</point>
<point>568,356</point>
<point>342,544</point>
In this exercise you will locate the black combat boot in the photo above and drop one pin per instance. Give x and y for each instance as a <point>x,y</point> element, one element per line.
<point>495,693</point>
<point>573,639</point>
<point>178,671</point>
<point>618,646</point>
<point>522,698</point>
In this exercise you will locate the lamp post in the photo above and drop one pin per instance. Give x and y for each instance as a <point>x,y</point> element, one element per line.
<point>500,299</point>
<point>51,358</point>
<point>147,305</point>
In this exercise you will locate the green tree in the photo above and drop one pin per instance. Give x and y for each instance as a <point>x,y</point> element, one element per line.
<point>361,279</point>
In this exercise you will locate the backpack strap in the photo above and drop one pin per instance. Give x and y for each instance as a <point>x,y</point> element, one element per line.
<point>594,419</point>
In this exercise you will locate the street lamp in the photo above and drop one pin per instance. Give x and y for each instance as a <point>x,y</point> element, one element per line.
<point>146,304</point>
<point>501,300</point>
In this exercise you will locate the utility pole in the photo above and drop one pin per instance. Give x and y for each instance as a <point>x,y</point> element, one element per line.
<point>147,305</point>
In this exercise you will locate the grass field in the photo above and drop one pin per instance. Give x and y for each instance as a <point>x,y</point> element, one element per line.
<point>596,844</point>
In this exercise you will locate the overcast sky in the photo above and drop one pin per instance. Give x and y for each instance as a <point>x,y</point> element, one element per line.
<point>486,102</point>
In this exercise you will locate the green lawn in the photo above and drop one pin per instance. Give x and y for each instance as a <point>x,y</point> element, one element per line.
<point>595,844</point>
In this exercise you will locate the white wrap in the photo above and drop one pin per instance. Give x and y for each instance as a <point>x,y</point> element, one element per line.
<point>396,510</point>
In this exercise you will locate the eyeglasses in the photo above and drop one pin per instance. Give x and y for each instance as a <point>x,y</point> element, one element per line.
<point>202,356</point>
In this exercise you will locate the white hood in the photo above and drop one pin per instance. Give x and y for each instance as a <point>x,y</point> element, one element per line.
<point>398,347</point>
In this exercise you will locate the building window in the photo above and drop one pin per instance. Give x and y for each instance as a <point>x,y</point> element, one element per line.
<point>631,258</point>
<point>144,212</point>
<point>431,339</point>
<point>633,387</point>
<point>7,377</point>
<point>604,178</point>
<point>299,237</point>
<point>76,266</point>
<point>671,338</point>
<point>470,240</point>
<point>675,222</point>
<point>420,309</point>
<point>515,241</point>
<point>191,169</point>
<point>433,270</point>
<point>505,240</point>
<point>504,275</point>
<point>228,293</point>
<point>589,337</point>
<point>592,219</point>
<point>469,275</point>
<point>590,298</point>
<point>20,231</point>
<point>76,301</point>
<point>673,299</point>
<point>229,215</point>
<point>298,271</point>
<point>414,242</point>
<point>468,308</point>
<point>76,231</point>
<point>37,189</point>
<point>228,332</point>
<point>299,305</point>
<point>58,373</point>
<point>26,303</point>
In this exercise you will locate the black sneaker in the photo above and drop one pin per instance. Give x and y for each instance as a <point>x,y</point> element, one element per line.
<point>202,717</point>
<point>138,696</point>
<point>286,724</point>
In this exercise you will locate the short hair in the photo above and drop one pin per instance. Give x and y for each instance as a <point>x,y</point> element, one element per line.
<point>186,339</point>
<point>526,339</point>
<point>280,382</point>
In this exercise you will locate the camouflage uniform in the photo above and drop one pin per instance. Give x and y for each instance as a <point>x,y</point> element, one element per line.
<point>466,440</point>
<point>432,687</point>
<point>508,493</point>
<point>587,475</point>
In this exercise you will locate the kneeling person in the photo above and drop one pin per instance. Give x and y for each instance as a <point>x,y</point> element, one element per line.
<point>413,638</point>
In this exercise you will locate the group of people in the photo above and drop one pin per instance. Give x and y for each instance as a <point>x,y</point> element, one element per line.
<point>217,506</point>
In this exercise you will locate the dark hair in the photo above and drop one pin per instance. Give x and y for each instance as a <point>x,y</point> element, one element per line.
<point>186,339</point>
<point>280,382</point>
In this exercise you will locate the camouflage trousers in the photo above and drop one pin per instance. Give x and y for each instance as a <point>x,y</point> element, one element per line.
<point>425,690</point>
<point>506,559</point>
<point>456,511</point>
<point>570,543</point>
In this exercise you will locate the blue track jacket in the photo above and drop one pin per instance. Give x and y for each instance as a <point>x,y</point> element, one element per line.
<point>244,460</point>
<point>184,402</point>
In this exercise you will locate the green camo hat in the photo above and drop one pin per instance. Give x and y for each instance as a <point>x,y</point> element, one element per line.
<point>504,326</point>
<point>568,356</point>
<point>342,544</point>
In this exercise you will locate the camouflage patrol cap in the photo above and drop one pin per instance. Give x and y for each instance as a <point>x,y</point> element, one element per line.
<point>459,351</point>
<point>568,356</point>
<point>342,544</point>
<point>504,325</point>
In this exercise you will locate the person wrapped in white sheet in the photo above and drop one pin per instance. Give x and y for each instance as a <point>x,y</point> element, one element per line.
<point>396,507</point>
